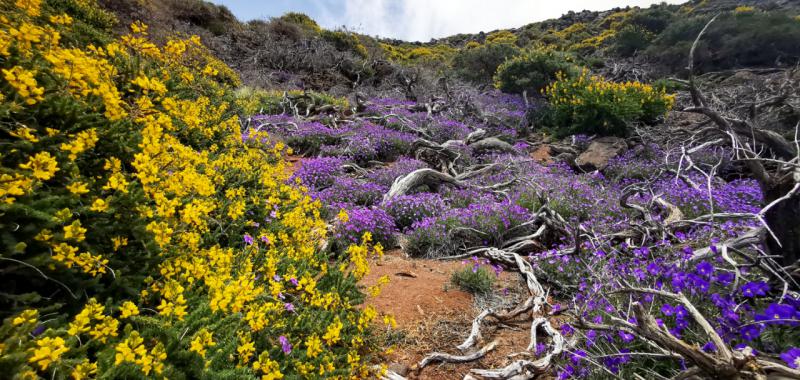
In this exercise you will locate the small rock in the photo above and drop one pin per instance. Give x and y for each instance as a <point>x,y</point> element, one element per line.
<point>600,152</point>
<point>399,368</point>
<point>406,274</point>
<point>542,154</point>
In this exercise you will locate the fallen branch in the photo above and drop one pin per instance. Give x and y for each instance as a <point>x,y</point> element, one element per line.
<point>447,358</point>
<point>490,144</point>
<point>426,176</point>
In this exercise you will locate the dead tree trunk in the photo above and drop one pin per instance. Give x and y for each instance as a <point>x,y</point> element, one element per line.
<point>761,148</point>
<point>784,221</point>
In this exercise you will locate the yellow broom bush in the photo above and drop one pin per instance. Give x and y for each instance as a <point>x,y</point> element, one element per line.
<point>141,235</point>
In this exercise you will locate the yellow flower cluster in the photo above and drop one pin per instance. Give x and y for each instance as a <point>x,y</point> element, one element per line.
<point>13,186</point>
<point>269,368</point>
<point>25,37</point>
<point>31,7</point>
<point>84,370</point>
<point>62,19</point>
<point>48,350</point>
<point>128,309</point>
<point>88,74</point>
<point>42,164</point>
<point>69,256</point>
<point>25,84</point>
<point>358,255</point>
<point>202,341</point>
<point>133,350</point>
<point>150,84</point>
<point>590,104</point>
<point>588,87</point>
<point>29,316</point>
<point>173,303</point>
<point>92,320</point>
<point>25,133</point>
<point>82,141</point>
<point>332,333</point>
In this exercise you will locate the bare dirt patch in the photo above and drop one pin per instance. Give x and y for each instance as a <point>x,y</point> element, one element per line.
<point>418,288</point>
<point>294,163</point>
<point>433,316</point>
<point>542,154</point>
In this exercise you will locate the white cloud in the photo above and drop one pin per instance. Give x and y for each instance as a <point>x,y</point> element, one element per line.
<point>421,20</point>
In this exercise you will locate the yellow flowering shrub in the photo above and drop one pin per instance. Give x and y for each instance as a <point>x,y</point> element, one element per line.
<point>136,236</point>
<point>592,105</point>
<point>411,54</point>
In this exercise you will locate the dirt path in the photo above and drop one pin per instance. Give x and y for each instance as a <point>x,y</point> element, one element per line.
<point>417,289</point>
<point>432,315</point>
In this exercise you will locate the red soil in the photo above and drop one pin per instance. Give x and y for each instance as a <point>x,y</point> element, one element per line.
<point>417,288</point>
<point>432,316</point>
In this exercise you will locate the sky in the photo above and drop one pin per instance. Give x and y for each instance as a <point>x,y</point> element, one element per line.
<point>421,20</point>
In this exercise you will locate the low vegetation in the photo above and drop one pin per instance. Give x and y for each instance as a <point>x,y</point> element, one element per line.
<point>474,278</point>
<point>533,70</point>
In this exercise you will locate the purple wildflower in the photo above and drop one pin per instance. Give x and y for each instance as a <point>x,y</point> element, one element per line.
<point>285,345</point>
<point>792,357</point>
<point>754,289</point>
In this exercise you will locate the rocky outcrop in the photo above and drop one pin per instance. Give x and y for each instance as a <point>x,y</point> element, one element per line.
<point>600,152</point>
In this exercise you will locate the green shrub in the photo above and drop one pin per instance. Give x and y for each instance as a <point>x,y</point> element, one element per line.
<point>433,56</point>
<point>744,39</point>
<point>302,20</point>
<point>631,39</point>
<point>474,279</point>
<point>501,37</point>
<point>533,70</point>
<point>654,19</point>
<point>345,41</point>
<point>591,105</point>
<point>478,64</point>
<point>669,86</point>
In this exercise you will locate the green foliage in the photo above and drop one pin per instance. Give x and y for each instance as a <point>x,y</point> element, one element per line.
<point>217,19</point>
<point>474,279</point>
<point>302,20</point>
<point>669,86</point>
<point>591,105</point>
<point>654,19</point>
<point>345,41</point>
<point>91,25</point>
<point>630,40</point>
<point>254,101</point>
<point>432,240</point>
<point>478,64</point>
<point>501,37</point>
<point>411,54</point>
<point>529,199</point>
<point>745,39</point>
<point>95,17</point>
<point>533,70</point>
